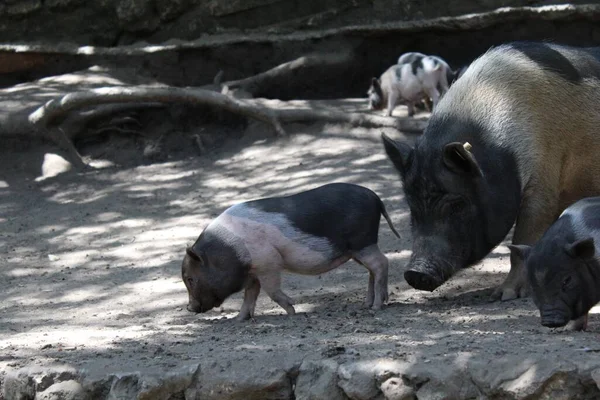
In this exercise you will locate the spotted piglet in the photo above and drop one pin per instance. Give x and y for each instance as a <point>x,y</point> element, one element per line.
<point>563,267</point>
<point>312,232</point>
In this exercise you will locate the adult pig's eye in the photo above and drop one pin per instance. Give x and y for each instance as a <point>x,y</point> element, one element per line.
<point>566,282</point>
<point>453,206</point>
<point>190,281</point>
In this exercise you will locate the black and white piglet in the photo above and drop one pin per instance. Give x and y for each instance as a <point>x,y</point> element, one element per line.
<point>563,267</point>
<point>312,232</point>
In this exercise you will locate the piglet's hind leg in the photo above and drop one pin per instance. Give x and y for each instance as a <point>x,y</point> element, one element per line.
<point>377,263</point>
<point>250,296</point>
<point>271,283</point>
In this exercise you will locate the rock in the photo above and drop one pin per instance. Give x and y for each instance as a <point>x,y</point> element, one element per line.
<point>221,8</point>
<point>137,15</point>
<point>124,387</point>
<point>55,4</point>
<point>53,165</point>
<point>596,377</point>
<point>23,384</point>
<point>358,380</point>
<point>170,9</point>
<point>566,386</point>
<point>240,382</point>
<point>165,387</point>
<point>24,7</point>
<point>396,389</point>
<point>442,379</point>
<point>98,388</point>
<point>318,380</point>
<point>66,390</point>
<point>18,387</point>
<point>516,378</point>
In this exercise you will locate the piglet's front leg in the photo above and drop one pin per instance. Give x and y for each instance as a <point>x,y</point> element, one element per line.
<point>250,296</point>
<point>392,101</point>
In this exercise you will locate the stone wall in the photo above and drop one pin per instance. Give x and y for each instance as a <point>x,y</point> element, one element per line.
<point>116,22</point>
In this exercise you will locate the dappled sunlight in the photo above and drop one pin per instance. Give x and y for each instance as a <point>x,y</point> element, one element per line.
<point>92,276</point>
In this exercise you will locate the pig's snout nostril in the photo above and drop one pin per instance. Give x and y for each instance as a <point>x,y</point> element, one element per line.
<point>427,274</point>
<point>191,309</point>
<point>421,280</point>
<point>554,318</point>
<point>553,324</point>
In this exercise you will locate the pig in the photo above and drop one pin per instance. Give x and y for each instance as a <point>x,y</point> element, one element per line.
<point>515,139</point>
<point>439,74</point>
<point>444,76</point>
<point>456,74</point>
<point>406,82</point>
<point>563,267</point>
<point>312,232</point>
<point>410,57</point>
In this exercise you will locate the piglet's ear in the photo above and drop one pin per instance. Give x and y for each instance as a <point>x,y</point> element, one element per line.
<point>192,254</point>
<point>458,158</point>
<point>583,249</point>
<point>521,251</point>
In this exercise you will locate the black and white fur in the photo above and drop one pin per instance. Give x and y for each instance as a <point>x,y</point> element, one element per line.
<point>528,111</point>
<point>563,267</point>
<point>251,243</point>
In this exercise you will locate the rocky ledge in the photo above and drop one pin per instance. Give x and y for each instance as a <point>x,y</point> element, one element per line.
<point>336,375</point>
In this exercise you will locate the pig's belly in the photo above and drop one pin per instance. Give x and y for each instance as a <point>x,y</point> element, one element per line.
<point>302,260</point>
<point>412,92</point>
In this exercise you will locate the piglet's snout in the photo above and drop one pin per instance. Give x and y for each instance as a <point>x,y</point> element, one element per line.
<point>554,317</point>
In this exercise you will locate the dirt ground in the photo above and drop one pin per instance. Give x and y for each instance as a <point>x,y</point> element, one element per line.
<point>90,270</point>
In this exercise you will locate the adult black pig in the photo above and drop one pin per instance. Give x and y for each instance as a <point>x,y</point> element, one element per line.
<point>312,232</point>
<point>563,267</point>
<point>530,115</point>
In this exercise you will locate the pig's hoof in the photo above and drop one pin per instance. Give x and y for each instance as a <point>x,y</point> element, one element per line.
<point>421,280</point>
<point>290,311</point>
<point>243,317</point>
<point>505,293</point>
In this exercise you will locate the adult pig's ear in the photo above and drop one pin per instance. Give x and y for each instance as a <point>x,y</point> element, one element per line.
<point>399,153</point>
<point>583,249</point>
<point>521,251</point>
<point>458,158</point>
<point>193,255</point>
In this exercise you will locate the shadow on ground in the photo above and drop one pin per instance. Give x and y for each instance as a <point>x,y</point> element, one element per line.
<point>91,263</point>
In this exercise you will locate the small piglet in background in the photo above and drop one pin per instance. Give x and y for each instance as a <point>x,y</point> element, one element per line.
<point>410,57</point>
<point>563,267</point>
<point>415,78</point>
<point>312,232</point>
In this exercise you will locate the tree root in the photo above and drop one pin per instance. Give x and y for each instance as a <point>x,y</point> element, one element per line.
<point>257,84</point>
<point>56,108</point>
<point>48,117</point>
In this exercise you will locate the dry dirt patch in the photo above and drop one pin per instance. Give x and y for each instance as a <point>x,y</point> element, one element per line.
<point>90,269</point>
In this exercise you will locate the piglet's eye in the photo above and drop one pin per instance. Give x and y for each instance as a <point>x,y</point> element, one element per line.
<point>190,281</point>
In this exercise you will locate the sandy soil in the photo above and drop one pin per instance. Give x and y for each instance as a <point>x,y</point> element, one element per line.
<point>90,269</point>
